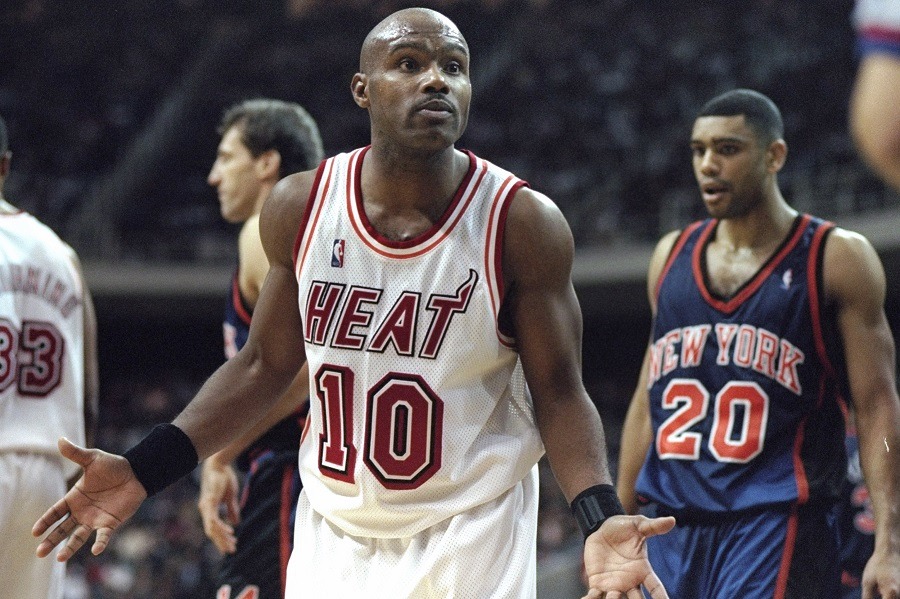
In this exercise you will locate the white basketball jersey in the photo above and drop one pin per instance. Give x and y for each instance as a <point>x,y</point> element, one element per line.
<point>418,407</point>
<point>41,339</point>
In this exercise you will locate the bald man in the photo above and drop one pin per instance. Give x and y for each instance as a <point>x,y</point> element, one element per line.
<point>430,292</point>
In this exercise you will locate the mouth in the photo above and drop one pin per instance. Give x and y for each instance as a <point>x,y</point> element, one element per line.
<point>713,190</point>
<point>435,108</point>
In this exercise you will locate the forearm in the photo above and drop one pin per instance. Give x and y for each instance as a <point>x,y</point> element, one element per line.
<point>287,404</point>
<point>636,438</point>
<point>879,441</point>
<point>573,438</point>
<point>243,389</point>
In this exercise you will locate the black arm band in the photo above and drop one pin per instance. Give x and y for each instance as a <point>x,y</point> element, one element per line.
<point>162,457</point>
<point>594,505</point>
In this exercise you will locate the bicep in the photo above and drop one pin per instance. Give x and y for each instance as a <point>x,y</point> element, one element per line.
<point>546,314</point>
<point>854,277</point>
<point>276,331</point>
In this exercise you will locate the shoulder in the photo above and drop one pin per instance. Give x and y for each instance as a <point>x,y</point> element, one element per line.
<point>851,267</point>
<point>658,259</point>
<point>537,236</point>
<point>282,214</point>
<point>249,230</point>
<point>40,235</point>
<point>532,212</point>
<point>665,245</point>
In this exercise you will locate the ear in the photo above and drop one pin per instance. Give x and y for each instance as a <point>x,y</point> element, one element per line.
<point>5,159</point>
<point>776,155</point>
<point>268,164</point>
<point>359,89</point>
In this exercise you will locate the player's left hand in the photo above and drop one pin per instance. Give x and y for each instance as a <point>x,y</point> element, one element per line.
<point>219,488</point>
<point>615,558</point>
<point>881,578</point>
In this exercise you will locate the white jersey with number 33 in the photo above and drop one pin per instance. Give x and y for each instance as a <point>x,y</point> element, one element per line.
<point>41,329</point>
<point>418,409</point>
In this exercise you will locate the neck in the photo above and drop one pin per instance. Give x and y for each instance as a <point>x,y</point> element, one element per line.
<point>760,228</point>
<point>394,178</point>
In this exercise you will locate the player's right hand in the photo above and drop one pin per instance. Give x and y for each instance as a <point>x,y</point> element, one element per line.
<point>219,487</point>
<point>615,558</point>
<point>104,497</point>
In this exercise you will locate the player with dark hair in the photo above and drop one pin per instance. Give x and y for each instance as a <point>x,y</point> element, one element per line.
<point>262,141</point>
<point>421,283</point>
<point>48,384</point>
<point>765,323</point>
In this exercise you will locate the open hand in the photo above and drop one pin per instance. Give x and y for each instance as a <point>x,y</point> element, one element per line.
<point>615,558</point>
<point>106,495</point>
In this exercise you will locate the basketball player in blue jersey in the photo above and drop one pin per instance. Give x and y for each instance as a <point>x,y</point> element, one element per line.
<point>855,520</point>
<point>874,110</point>
<point>765,321</point>
<point>419,282</point>
<point>262,141</point>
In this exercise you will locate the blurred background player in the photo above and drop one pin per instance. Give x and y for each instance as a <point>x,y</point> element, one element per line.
<point>856,522</point>
<point>262,140</point>
<point>875,126</point>
<point>48,385</point>
<point>874,109</point>
<point>764,320</point>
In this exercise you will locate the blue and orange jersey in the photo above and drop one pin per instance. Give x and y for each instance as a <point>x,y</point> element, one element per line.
<point>745,392</point>
<point>285,435</point>
<point>855,517</point>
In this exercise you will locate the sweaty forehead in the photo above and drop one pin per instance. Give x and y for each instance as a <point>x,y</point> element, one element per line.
<point>403,29</point>
<point>409,28</point>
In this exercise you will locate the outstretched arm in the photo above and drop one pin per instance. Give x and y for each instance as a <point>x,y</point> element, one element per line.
<point>218,479</point>
<point>637,435</point>
<point>237,395</point>
<point>538,254</point>
<point>854,280</point>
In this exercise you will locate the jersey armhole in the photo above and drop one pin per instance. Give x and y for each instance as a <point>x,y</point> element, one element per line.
<point>311,203</point>
<point>505,329</point>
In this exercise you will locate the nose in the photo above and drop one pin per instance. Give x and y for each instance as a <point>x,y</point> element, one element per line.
<point>707,163</point>
<point>213,177</point>
<point>435,80</point>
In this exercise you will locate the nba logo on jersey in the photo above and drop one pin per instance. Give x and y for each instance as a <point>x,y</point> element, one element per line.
<point>337,253</point>
<point>787,278</point>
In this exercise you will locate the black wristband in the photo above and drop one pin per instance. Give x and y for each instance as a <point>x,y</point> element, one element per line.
<point>594,505</point>
<point>162,457</point>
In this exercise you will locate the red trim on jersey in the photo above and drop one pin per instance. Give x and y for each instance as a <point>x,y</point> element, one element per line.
<point>815,295</point>
<point>238,301</point>
<point>307,211</point>
<point>676,249</point>
<point>500,206</point>
<point>876,33</point>
<point>501,231</point>
<point>284,520</point>
<point>784,570</point>
<point>800,477</point>
<point>754,283</point>
<point>306,423</point>
<point>429,238</point>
